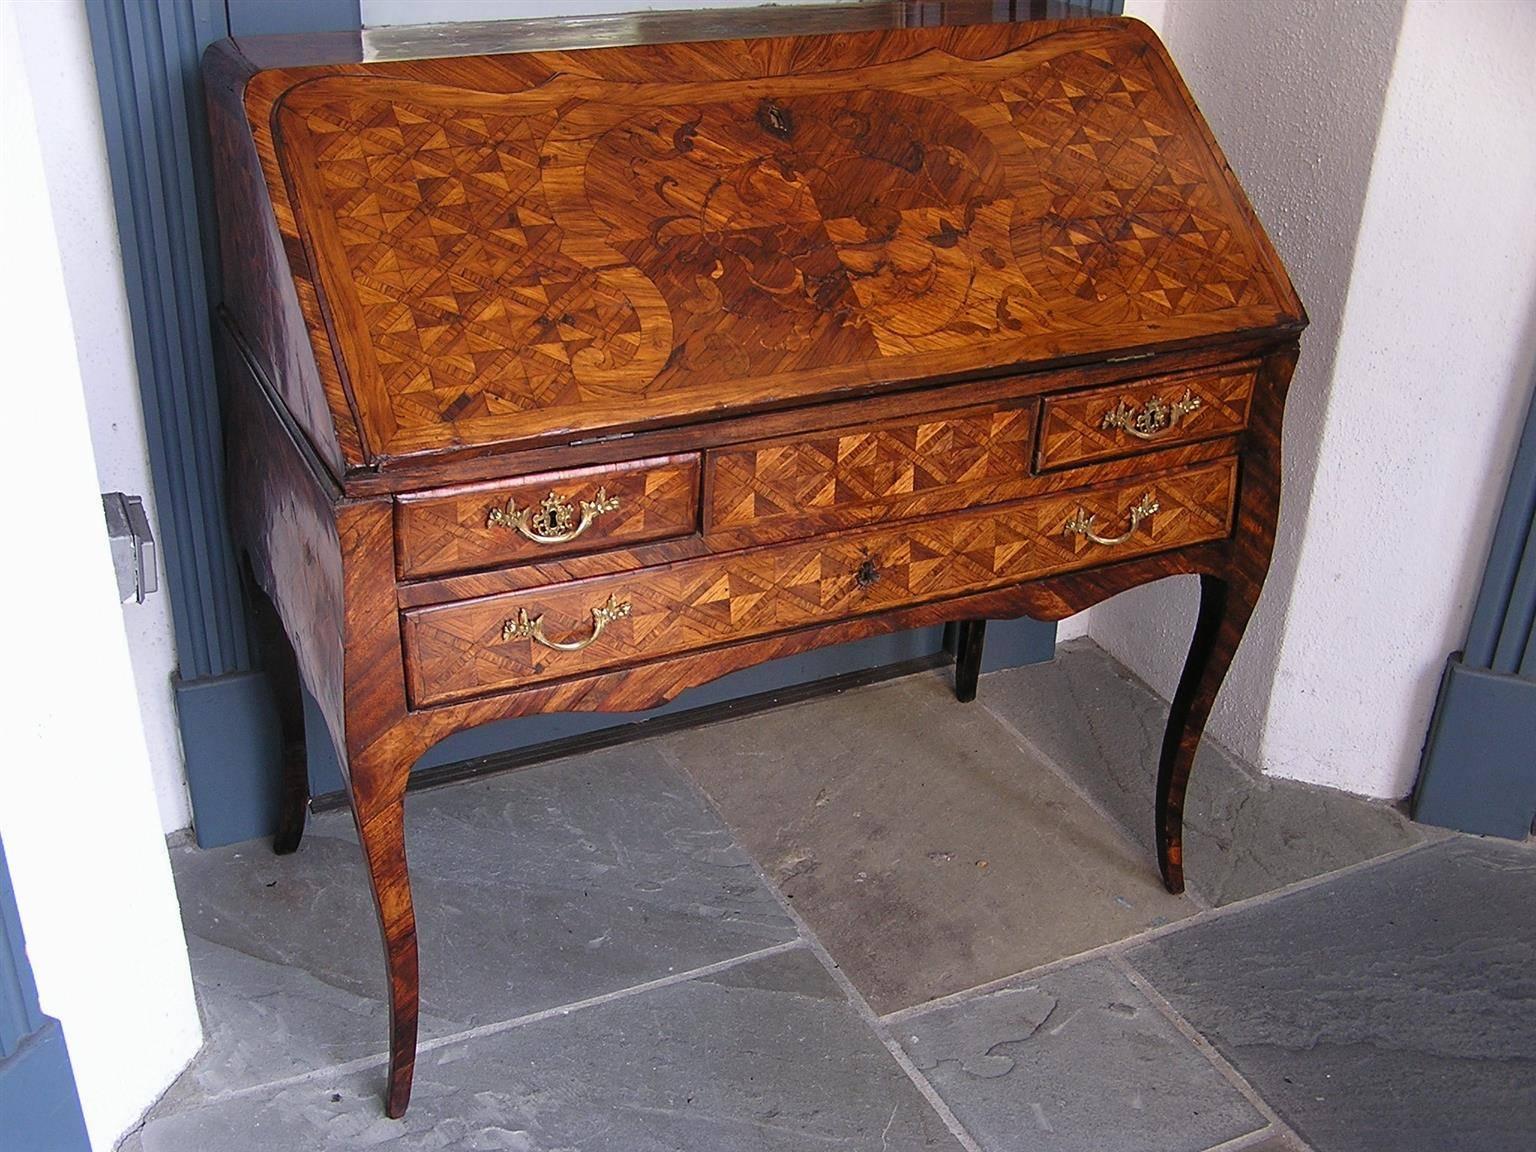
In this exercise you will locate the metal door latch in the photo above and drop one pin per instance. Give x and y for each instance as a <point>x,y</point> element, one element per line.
<point>133,545</point>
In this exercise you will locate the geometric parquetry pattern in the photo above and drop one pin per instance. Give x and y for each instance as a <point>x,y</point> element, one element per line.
<point>1123,209</point>
<point>457,651</point>
<point>899,468</point>
<point>594,247</point>
<point>1072,427</point>
<point>472,308</point>
<point>649,500</point>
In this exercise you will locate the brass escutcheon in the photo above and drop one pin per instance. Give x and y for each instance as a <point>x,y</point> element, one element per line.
<point>1152,420</point>
<point>554,520</point>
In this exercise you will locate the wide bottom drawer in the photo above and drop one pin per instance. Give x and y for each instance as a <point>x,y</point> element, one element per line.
<point>471,648</point>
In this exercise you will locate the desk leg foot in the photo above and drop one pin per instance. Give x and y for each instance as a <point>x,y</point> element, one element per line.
<point>381,828</point>
<point>969,637</point>
<point>282,670</point>
<point>1225,607</point>
<point>293,800</point>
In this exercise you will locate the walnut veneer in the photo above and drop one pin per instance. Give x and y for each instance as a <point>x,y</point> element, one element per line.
<point>569,379</point>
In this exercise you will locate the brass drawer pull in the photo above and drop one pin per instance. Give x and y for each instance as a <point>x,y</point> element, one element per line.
<point>1081,523</point>
<point>1154,419</point>
<point>525,627</point>
<point>554,521</point>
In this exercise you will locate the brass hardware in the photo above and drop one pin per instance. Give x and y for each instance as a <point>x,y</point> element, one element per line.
<point>1156,417</point>
<point>867,574</point>
<point>554,520</point>
<point>525,627</point>
<point>1081,523</point>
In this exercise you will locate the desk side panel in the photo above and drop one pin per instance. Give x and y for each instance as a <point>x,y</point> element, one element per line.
<point>283,516</point>
<point>261,282</point>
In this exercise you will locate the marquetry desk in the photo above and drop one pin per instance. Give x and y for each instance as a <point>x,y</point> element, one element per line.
<point>569,379</point>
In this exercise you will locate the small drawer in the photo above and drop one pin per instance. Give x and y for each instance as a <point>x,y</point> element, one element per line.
<point>550,514</point>
<point>801,485</point>
<point>460,650</point>
<point>1143,415</point>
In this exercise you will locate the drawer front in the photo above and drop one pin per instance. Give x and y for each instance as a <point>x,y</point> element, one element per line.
<point>1142,415</point>
<point>802,485</point>
<point>456,651</point>
<point>552,514</point>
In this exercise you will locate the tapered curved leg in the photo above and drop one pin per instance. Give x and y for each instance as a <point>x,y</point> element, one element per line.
<point>969,638</point>
<point>380,817</point>
<point>282,671</point>
<point>1225,607</point>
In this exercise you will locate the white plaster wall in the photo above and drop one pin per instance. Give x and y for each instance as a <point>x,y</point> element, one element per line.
<point>1431,383</point>
<point>77,804</point>
<point>1414,254</point>
<point>60,70</point>
<point>1294,94</point>
<point>1149,12</point>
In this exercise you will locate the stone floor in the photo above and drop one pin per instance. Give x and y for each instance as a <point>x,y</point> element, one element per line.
<point>881,920</point>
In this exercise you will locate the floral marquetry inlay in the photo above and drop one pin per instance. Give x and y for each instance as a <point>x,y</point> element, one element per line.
<point>605,251</point>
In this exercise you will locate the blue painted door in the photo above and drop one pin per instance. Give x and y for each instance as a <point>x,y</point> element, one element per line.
<point>39,1106</point>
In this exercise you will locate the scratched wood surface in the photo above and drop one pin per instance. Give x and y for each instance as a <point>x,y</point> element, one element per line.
<point>1132,417</point>
<point>461,650</point>
<point>546,515</point>
<point>543,572</point>
<point>542,244</point>
<point>798,485</point>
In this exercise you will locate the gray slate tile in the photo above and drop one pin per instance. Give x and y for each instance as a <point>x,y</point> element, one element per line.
<point>1391,1009</point>
<point>923,846</point>
<point>765,1057</point>
<point>1244,834</point>
<point>1077,1061</point>
<point>532,890</point>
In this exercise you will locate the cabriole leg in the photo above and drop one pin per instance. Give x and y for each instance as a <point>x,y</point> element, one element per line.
<point>378,806</point>
<point>1224,611</point>
<point>969,637</point>
<point>282,670</point>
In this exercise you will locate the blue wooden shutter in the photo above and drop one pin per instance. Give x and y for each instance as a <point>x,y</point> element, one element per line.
<point>146,58</point>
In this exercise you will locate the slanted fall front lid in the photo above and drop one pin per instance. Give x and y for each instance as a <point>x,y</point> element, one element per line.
<point>565,244</point>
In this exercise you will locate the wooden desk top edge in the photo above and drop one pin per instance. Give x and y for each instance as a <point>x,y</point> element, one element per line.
<point>259,71</point>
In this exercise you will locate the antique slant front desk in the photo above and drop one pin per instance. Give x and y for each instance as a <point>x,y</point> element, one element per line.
<point>568,379</point>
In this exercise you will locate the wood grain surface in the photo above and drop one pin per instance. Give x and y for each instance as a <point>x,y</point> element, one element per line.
<point>799,485</point>
<point>471,527</point>
<point>458,650</point>
<point>843,333</point>
<point>1092,425</point>
<point>561,243</point>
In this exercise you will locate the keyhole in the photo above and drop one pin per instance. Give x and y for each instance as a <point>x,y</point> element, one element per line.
<point>775,119</point>
<point>867,574</point>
